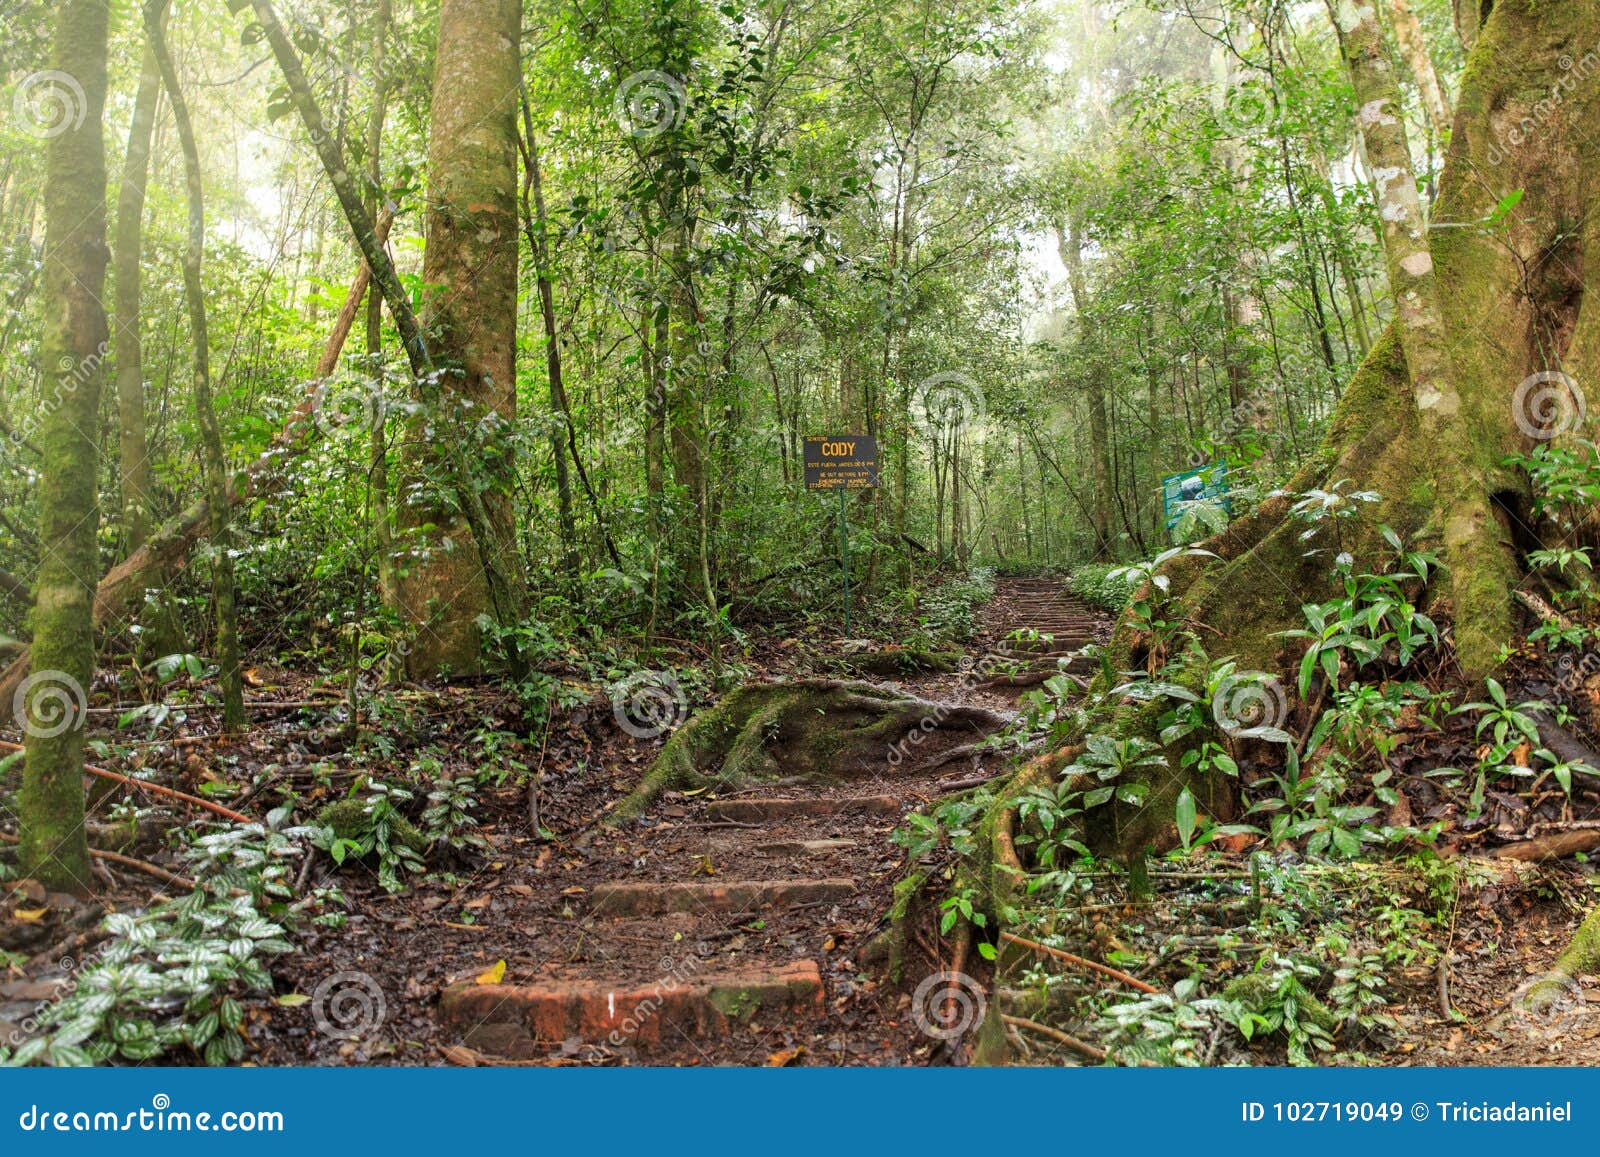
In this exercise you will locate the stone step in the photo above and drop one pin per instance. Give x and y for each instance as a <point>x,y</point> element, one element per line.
<point>781,847</point>
<point>755,811</point>
<point>740,896</point>
<point>526,1021</point>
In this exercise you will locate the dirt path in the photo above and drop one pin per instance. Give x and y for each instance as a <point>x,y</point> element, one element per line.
<point>728,930</point>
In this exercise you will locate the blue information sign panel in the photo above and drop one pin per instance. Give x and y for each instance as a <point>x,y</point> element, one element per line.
<point>1202,484</point>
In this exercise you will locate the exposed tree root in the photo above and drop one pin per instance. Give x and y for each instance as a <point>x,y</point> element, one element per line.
<point>1082,1048</point>
<point>814,730</point>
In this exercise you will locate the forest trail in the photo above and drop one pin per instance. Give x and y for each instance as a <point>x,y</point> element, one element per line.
<point>731,930</point>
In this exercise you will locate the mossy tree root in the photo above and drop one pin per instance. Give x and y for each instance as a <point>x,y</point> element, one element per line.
<point>816,730</point>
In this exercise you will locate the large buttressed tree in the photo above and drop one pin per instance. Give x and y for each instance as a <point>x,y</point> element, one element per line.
<point>72,355</point>
<point>1492,344</point>
<point>469,315</point>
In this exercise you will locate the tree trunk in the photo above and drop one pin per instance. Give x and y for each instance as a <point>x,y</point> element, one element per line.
<point>470,314</point>
<point>134,461</point>
<point>212,455</point>
<point>53,700</point>
<point>163,635</point>
<point>378,474</point>
<point>1070,243</point>
<point>499,571</point>
<point>534,223</point>
<point>1414,48</point>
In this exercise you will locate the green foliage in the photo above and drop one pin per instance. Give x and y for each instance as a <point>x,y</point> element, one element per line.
<point>1275,999</point>
<point>353,829</point>
<point>947,613</point>
<point>172,977</point>
<point>1375,617</point>
<point>1565,475</point>
<point>1094,582</point>
<point>1168,1029</point>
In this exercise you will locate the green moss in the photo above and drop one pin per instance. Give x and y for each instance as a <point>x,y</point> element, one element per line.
<point>348,820</point>
<point>1583,954</point>
<point>817,730</point>
<point>1259,992</point>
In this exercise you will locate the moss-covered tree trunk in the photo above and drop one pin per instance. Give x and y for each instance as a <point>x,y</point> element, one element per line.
<point>1493,342</point>
<point>470,316</point>
<point>460,464</point>
<point>378,473</point>
<point>213,457</point>
<point>1487,298</point>
<point>54,849</point>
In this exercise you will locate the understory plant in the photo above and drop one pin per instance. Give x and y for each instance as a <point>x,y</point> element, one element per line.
<point>172,978</point>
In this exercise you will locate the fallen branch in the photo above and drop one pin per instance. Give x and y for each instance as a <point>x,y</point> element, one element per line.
<point>1552,846</point>
<point>1543,610</point>
<point>1131,981</point>
<point>1082,1048</point>
<point>1567,747</point>
<point>171,792</point>
<point>127,862</point>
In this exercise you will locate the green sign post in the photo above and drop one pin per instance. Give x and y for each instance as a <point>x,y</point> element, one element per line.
<point>844,462</point>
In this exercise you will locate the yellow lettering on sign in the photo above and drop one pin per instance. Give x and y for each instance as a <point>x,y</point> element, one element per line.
<point>838,449</point>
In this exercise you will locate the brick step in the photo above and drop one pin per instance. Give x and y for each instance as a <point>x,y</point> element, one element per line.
<point>658,899</point>
<point>526,1021</point>
<point>755,811</point>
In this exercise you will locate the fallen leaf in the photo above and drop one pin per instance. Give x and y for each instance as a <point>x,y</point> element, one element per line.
<point>293,999</point>
<point>494,975</point>
<point>30,915</point>
<point>786,1057</point>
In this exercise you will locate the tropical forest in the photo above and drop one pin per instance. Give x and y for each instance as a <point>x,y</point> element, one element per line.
<point>610,533</point>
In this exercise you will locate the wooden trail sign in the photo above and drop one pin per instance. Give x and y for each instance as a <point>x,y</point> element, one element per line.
<point>841,462</point>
